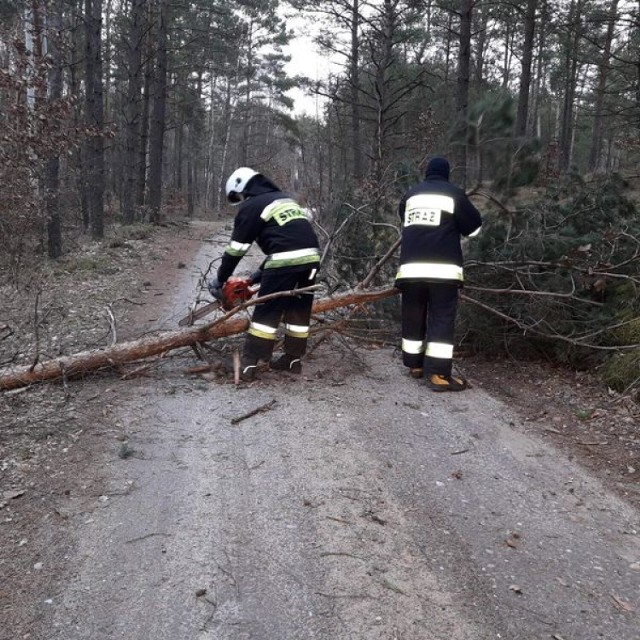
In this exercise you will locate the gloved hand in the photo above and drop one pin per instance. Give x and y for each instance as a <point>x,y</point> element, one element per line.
<point>215,288</point>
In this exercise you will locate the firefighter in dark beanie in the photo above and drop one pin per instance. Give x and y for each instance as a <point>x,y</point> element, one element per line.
<point>282,230</point>
<point>434,215</point>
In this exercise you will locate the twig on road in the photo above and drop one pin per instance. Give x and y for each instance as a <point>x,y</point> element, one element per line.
<point>149,535</point>
<point>325,554</point>
<point>264,407</point>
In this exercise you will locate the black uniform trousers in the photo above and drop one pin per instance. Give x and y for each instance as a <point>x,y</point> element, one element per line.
<point>295,311</point>
<point>428,317</point>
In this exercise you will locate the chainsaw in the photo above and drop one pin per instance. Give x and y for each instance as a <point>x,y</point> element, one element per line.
<point>235,291</point>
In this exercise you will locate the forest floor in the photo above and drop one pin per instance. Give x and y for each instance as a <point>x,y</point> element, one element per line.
<point>55,438</point>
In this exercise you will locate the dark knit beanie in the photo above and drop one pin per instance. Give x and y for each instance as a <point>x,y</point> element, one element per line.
<point>438,167</point>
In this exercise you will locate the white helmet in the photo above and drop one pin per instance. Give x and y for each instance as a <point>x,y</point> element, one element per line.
<point>237,183</point>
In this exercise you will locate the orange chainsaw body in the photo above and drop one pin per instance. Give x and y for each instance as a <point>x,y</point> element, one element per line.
<point>235,291</point>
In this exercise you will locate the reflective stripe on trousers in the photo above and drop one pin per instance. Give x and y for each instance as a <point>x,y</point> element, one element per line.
<point>439,350</point>
<point>296,330</point>
<point>260,330</point>
<point>412,347</point>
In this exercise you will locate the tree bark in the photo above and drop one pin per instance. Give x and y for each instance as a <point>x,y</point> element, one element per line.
<point>141,195</point>
<point>603,74</point>
<point>132,111</point>
<point>86,361</point>
<point>158,120</point>
<point>571,79</point>
<point>191,183</point>
<point>95,118</point>
<point>540,74</point>
<point>525,78</point>
<point>52,172</point>
<point>354,82</point>
<point>482,18</point>
<point>462,88</point>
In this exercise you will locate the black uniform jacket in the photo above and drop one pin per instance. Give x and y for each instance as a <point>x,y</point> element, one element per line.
<point>434,214</point>
<point>278,224</point>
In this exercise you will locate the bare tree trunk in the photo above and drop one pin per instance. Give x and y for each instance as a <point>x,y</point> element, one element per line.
<point>178,154</point>
<point>131,111</point>
<point>52,172</point>
<point>76,55</point>
<point>387,28</point>
<point>247,116</point>
<point>112,174</point>
<point>481,39</point>
<point>525,77</point>
<point>229,111</point>
<point>603,75</point>
<point>141,195</point>
<point>539,76</point>
<point>94,160</point>
<point>158,119</point>
<point>447,58</point>
<point>637,65</point>
<point>190,170</point>
<point>506,58</point>
<point>210,165</point>
<point>571,73</point>
<point>354,82</point>
<point>462,91</point>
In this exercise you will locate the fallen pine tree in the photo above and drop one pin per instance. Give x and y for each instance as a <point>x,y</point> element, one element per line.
<point>119,354</point>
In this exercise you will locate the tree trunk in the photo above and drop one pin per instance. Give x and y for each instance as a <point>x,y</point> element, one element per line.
<point>178,154</point>
<point>481,42</point>
<point>636,120</point>
<point>131,110</point>
<point>94,160</point>
<point>158,119</point>
<point>76,54</point>
<point>190,144</point>
<point>141,195</point>
<point>247,115</point>
<point>525,77</point>
<point>209,162</point>
<point>228,115</point>
<point>462,90</point>
<point>603,75</point>
<point>68,366</point>
<point>52,171</point>
<point>571,75</point>
<point>540,71</point>
<point>354,82</point>
<point>382,65</point>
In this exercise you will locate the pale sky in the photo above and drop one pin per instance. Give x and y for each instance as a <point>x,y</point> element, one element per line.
<point>305,61</point>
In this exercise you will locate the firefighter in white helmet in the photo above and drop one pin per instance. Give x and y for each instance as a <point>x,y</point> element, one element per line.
<point>434,215</point>
<point>282,230</point>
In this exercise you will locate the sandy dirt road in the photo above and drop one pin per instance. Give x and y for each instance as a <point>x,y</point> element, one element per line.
<point>354,505</point>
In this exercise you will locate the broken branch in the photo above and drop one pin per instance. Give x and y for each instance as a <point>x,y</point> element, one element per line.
<point>261,409</point>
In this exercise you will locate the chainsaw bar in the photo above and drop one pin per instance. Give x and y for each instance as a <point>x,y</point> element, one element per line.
<point>234,292</point>
<point>196,314</point>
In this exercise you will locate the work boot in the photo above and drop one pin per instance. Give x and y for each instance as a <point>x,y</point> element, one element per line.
<point>416,372</point>
<point>248,369</point>
<point>286,362</point>
<point>437,382</point>
<point>248,374</point>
